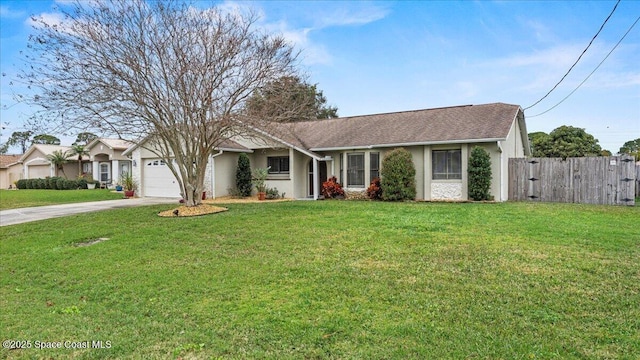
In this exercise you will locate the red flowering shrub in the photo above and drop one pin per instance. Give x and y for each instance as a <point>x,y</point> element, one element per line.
<point>332,189</point>
<point>374,191</point>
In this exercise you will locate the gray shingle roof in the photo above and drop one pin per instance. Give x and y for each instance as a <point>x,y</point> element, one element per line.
<point>451,124</point>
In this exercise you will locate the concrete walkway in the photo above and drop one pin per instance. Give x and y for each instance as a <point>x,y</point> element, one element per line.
<point>24,215</point>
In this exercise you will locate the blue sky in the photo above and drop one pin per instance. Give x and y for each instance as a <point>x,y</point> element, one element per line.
<point>377,57</point>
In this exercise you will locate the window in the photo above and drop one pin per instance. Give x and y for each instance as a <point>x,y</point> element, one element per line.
<point>278,164</point>
<point>355,170</point>
<point>87,168</point>
<point>105,170</point>
<point>447,164</point>
<point>374,164</point>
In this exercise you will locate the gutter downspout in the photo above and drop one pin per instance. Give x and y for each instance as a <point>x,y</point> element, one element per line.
<point>212,162</point>
<point>501,170</point>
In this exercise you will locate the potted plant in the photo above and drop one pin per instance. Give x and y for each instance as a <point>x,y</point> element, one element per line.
<point>129,184</point>
<point>91,184</point>
<point>259,177</point>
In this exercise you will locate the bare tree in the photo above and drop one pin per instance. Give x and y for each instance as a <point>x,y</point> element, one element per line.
<point>168,73</point>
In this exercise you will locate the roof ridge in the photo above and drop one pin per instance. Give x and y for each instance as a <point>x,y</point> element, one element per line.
<point>397,112</point>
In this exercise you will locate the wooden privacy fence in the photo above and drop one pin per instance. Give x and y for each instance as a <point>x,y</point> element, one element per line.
<point>591,180</point>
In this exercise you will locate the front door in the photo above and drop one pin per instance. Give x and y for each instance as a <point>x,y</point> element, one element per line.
<point>322,175</point>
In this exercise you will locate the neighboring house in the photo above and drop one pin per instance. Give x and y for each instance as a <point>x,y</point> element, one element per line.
<point>304,154</point>
<point>106,161</point>
<point>10,170</point>
<point>36,165</point>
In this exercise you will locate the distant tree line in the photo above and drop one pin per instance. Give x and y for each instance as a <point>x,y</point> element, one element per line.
<point>568,141</point>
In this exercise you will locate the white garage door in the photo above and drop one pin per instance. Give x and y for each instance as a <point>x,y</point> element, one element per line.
<point>158,180</point>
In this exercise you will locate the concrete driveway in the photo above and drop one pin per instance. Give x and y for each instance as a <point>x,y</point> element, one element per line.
<point>24,215</point>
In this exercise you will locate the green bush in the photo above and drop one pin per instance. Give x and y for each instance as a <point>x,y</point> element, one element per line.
<point>479,174</point>
<point>21,184</point>
<point>243,176</point>
<point>52,183</point>
<point>60,183</point>
<point>41,183</point>
<point>398,176</point>
<point>82,183</point>
<point>273,193</point>
<point>71,185</point>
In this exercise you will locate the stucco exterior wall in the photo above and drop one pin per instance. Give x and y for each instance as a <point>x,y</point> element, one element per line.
<point>299,172</point>
<point>10,174</point>
<point>102,148</point>
<point>136,170</point>
<point>284,183</point>
<point>224,174</point>
<point>417,154</point>
<point>512,147</point>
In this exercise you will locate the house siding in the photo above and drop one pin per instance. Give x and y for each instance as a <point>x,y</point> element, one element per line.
<point>224,174</point>
<point>10,174</point>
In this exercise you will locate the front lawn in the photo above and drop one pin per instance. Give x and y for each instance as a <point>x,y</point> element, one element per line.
<point>328,279</point>
<point>12,199</point>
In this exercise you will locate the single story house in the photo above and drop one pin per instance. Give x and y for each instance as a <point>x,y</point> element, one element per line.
<point>104,161</point>
<point>10,170</point>
<point>302,155</point>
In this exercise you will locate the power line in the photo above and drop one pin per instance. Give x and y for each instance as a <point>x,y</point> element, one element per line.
<point>579,57</point>
<point>587,78</point>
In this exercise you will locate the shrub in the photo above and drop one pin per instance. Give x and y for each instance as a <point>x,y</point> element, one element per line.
<point>21,184</point>
<point>479,174</point>
<point>82,183</point>
<point>374,191</point>
<point>243,176</point>
<point>52,183</point>
<point>71,185</point>
<point>41,184</point>
<point>331,189</point>
<point>60,184</point>
<point>398,176</point>
<point>272,193</point>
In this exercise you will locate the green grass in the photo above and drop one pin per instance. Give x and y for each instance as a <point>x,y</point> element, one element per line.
<point>12,199</point>
<point>329,279</point>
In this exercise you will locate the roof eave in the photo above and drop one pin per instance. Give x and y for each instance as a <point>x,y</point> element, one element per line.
<point>309,152</point>
<point>234,150</point>
<point>420,143</point>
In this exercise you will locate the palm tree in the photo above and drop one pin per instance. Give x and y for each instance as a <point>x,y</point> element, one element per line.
<point>80,151</point>
<point>58,158</point>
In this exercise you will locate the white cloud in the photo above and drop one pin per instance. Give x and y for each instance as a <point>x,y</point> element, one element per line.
<point>541,32</point>
<point>334,14</point>
<point>347,15</point>
<point>556,57</point>
<point>612,80</point>
<point>6,12</point>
